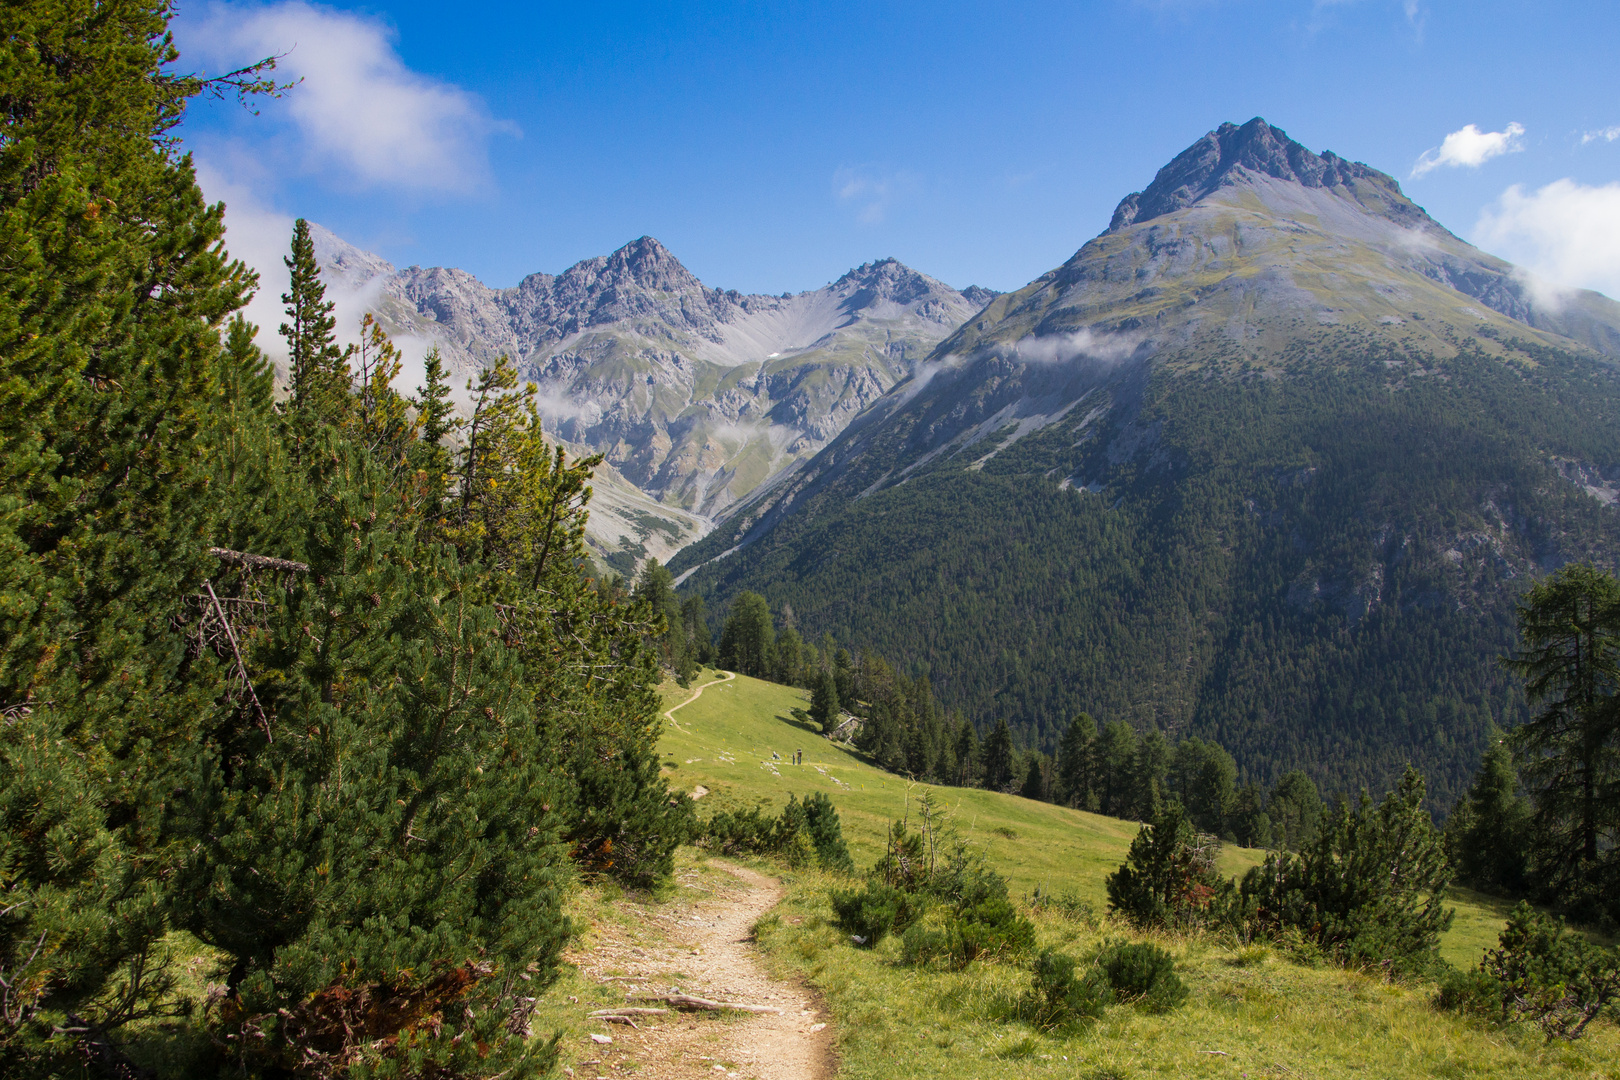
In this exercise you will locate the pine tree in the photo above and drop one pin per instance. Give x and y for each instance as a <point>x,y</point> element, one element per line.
<point>788,670</point>
<point>1489,833</point>
<point>1295,810</point>
<point>436,413</point>
<point>1203,775</point>
<point>1248,823</point>
<point>1115,759</point>
<point>747,640</point>
<point>1370,888</point>
<point>317,369</point>
<point>824,701</point>
<point>967,753</point>
<point>1168,877</point>
<point>1149,767</point>
<point>1035,778</point>
<point>112,304</point>
<point>1075,763</point>
<point>998,758</point>
<point>1569,750</point>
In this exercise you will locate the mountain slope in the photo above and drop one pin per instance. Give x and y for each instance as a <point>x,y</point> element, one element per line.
<point>1267,460</point>
<point>695,395</point>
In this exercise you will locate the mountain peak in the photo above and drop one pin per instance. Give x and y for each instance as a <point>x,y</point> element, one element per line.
<point>1230,155</point>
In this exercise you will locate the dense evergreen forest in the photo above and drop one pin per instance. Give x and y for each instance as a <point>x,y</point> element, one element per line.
<point>1313,564</point>
<point>312,679</point>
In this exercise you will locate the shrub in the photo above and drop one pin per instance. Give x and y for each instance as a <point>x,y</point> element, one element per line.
<point>872,913</point>
<point>827,833</point>
<point>1145,974</point>
<point>1539,974</point>
<point>1168,877</point>
<point>1059,998</point>
<point>1367,891</point>
<point>1064,904</point>
<point>989,928</point>
<point>803,833</point>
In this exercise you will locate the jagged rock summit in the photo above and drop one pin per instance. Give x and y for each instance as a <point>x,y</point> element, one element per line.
<point>1229,154</point>
<point>696,395</point>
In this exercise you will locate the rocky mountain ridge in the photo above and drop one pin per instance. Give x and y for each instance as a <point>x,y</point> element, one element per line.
<point>696,395</point>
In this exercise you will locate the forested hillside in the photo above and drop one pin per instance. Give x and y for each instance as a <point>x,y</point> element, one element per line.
<point>1313,562</point>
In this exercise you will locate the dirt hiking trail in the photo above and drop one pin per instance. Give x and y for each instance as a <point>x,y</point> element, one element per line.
<point>704,949</point>
<point>669,713</point>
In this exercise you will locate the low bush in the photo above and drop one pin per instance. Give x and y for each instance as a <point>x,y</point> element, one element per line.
<point>1368,891</point>
<point>869,915</point>
<point>1539,974</point>
<point>1168,877</point>
<point>1143,974</point>
<point>1060,998</point>
<point>803,833</point>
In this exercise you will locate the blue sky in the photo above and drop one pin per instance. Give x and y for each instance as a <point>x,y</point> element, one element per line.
<point>772,146</point>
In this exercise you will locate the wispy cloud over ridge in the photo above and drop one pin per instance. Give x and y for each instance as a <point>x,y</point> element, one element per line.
<point>1469,147</point>
<point>1566,234</point>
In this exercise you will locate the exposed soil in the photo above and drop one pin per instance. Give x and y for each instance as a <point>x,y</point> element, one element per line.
<point>704,949</point>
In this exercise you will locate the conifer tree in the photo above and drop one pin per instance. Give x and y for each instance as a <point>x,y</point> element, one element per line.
<point>998,757</point>
<point>824,701</point>
<point>787,656</point>
<point>1370,888</point>
<point>1115,758</point>
<point>317,369</point>
<point>747,640</point>
<point>1149,767</point>
<point>1074,762</point>
<point>1168,877</point>
<point>1294,810</point>
<point>1569,750</point>
<point>1488,835</point>
<point>1035,778</point>
<point>112,304</point>
<point>436,413</point>
<point>967,753</point>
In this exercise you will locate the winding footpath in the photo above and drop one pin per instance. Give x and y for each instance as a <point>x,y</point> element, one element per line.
<point>669,714</point>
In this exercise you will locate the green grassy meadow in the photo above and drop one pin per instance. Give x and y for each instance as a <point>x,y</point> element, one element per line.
<point>1253,1011</point>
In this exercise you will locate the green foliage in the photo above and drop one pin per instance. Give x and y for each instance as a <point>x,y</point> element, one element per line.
<point>1488,835</point>
<point>1539,974</point>
<point>1169,877</point>
<point>751,831</point>
<point>824,701</point>
<point>869,915</point>
<point>1569,750</point>
<point>1058,998</point>
<point>998,758</point>
<point>826,832</point>
<point>748,638</point>
<point>355,760</point>
<point>1368,891</point>
<point>1144,974</point>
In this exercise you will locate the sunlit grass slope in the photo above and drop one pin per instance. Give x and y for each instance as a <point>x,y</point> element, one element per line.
<point>724,740</point>
<point>1252,1013</point>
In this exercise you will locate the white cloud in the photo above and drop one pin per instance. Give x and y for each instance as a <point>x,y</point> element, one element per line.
<point>358,108</point>
<point>1083,343</point>
<point>1470,148</point>
<point>1608,134</point>
<point>870,190</point>
<point>261,237</point>
<point>1566,233</point>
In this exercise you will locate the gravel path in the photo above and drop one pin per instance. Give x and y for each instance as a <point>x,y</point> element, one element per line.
<point>708,953</point>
